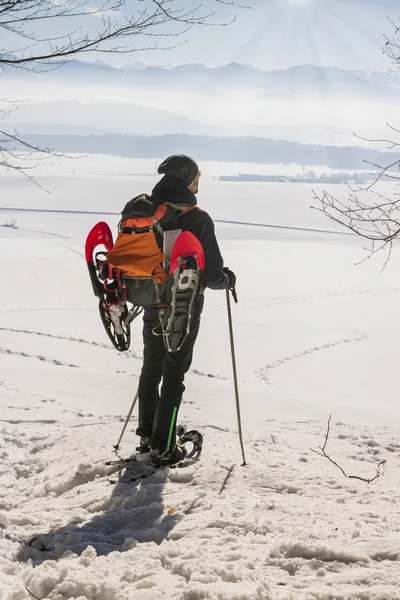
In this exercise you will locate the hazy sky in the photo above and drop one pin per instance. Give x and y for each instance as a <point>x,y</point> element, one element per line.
<point>281,33</point>
<point>272,34</point>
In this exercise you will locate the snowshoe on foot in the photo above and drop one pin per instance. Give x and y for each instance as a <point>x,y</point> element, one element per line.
<point>168,458</point>
<point>190,437</point>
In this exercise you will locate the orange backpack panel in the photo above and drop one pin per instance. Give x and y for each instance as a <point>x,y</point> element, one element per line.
<point>137,255</point>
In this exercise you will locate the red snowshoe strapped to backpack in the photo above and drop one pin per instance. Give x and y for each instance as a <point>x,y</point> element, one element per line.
<point>108,287</point>
<point>184,284</point>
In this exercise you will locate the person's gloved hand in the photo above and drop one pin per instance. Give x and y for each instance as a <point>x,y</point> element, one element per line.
<point>231,276</point>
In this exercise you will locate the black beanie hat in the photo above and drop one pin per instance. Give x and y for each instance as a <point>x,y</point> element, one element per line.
<point>180,166</point>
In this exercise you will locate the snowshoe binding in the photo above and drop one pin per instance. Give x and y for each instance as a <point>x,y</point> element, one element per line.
<point>168,458</point>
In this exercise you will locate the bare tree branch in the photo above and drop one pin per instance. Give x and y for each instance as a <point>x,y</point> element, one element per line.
<point>33,595</point>
<point>116,26</point>
<point>377,222</point>
<point>322,452</point>
<point>17,157</point>
<point>231,3</point>
<point>149,18</point>
<point>390,142</point>
<point>361,213</point>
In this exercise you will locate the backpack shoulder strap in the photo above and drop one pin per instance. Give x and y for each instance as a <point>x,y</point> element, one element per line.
<point>158,226</point>
<point>189,208</point>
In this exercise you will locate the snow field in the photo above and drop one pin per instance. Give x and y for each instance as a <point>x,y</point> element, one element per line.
<point>287,525</point>
<point>315,335</point>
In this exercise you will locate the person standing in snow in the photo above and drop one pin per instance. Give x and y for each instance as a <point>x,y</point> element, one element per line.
<point>158,409</point>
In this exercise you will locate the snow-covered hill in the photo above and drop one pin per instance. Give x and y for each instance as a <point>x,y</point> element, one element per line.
<point>315,335</point>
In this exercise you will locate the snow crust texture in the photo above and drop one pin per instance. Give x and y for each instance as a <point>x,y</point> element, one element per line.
<point>286,526</point>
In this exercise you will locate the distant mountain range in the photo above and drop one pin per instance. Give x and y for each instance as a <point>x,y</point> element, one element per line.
<point>221,149</point>
<point>318,105</point>
<point>298,81</point>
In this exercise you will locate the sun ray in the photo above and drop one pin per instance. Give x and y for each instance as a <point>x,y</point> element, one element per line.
<point>299,3</point>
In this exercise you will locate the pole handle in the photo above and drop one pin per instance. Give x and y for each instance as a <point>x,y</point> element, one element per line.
<point>234,294</point>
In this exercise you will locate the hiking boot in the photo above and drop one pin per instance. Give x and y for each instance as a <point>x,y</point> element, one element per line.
<point>168,457</point>
<point>143,450</point>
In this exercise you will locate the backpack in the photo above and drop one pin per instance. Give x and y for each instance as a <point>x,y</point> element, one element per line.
<point>137,251</point>
<point>170,283</point>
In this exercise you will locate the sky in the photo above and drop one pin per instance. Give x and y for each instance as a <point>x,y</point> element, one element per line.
<point>267,34</point>
<point>276,34</point>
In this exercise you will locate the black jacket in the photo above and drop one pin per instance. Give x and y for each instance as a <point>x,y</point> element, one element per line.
<point>173,190</point>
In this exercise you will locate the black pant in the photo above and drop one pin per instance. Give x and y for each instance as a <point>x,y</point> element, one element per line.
<point>158,411</point>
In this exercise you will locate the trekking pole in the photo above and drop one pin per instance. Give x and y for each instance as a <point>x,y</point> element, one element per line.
<point>116,447</point>
<point>235,381</point>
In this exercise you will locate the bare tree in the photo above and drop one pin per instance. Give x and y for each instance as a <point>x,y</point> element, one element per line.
<point>392,44</point>
<point>116,26</point>
<point>367,212</point>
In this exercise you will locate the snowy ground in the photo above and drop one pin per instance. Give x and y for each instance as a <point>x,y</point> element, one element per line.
<point>315,334</point>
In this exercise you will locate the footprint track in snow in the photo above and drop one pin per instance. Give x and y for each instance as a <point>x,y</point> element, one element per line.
<point>130,353</point>
<point>253,304</point>
<point>263,372</point>
<point>41,398</point>
<point>39,357</point>
<point>55,337</point>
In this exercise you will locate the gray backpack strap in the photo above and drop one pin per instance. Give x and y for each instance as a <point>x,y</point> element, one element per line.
<point>158,226</point>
